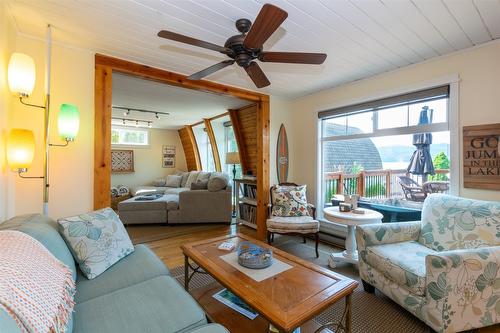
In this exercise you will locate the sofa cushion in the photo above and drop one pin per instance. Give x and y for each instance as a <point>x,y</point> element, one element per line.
<point>173,181</point>
<point>217,182</point>
<point>160,182</point>
<point>193,176</point>
<point>44,230</point>
<point>444,217</point>
<point>97,240</point>
<point>408,270</point>
<point>139,266</point>
<point>178,190</point>
<point>185,176</point>
<point>203,176</point>
<point>199,185</point>
<point>156,305</point>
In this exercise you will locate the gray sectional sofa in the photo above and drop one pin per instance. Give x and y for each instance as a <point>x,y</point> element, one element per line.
<point>137,294</point>
<point>181,204</point>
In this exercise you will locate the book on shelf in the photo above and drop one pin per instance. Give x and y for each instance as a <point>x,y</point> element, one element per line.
<point>249,191</point>
<point>248,213</point>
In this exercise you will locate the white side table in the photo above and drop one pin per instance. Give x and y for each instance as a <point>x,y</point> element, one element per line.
<point>350,219</point>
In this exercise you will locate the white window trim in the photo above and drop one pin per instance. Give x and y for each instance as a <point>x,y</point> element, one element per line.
<point>453,81</point>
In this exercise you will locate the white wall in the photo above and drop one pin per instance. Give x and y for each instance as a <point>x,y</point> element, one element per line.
<point>479,103</point>
<point>281,113</point>
<point>148,160</point>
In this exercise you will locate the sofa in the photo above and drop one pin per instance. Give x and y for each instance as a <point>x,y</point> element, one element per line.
<point>178,205</point>
<point>137,294</point>
<point>444,269</point>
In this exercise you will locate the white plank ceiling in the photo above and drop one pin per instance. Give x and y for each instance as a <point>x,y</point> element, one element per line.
<point>361,37</point>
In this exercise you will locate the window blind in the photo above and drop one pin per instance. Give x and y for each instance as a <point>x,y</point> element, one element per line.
<point>393,101</point>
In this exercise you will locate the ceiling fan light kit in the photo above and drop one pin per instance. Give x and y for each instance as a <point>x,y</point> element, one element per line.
<point>246,47</point>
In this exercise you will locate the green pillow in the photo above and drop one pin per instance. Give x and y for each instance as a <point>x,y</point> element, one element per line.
<point>97,240</point>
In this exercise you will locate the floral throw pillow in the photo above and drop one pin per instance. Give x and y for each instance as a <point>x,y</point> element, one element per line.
<point>97,240</point>
<point>289,201</point>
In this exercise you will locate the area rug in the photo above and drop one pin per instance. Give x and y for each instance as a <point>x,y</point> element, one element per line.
<point>371,313</point>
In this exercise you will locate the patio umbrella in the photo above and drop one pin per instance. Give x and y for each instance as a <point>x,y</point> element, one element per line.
<point>421,160</point>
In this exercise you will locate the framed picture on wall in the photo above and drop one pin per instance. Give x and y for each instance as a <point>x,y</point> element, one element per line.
<point>122,161</point>
<point>168,156</point>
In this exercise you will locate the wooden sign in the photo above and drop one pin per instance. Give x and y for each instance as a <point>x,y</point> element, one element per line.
<point>482,156</point>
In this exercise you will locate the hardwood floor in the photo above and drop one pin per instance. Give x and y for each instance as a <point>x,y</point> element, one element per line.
<point>169,249</point>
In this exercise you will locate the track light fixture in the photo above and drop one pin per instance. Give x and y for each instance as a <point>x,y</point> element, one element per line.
<point>157,116</point>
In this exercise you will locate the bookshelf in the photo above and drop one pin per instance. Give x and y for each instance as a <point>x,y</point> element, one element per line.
<point>246,199</point>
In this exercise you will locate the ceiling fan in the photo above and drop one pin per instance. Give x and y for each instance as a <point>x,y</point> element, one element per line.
<point>246,47</point>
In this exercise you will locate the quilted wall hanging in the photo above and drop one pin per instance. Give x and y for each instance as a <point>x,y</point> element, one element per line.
<point>122,161</point>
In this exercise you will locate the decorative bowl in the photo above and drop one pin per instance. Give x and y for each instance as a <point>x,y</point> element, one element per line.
<point>253,256</point>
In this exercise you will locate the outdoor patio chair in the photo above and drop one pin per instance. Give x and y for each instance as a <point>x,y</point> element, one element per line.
<point>411,189</point>
<point>302,225</point>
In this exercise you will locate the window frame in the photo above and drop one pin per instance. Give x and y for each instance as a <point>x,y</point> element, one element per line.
<point>132,129</point>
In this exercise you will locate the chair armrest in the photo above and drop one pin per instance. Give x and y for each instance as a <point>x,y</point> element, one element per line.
<point>463,288</point>
<point>386,233</point>
<point>312,210</point>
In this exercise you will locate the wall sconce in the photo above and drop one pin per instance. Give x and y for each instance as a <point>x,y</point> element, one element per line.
<point>20,149</point>
<point>21,74</point>
<point>68,122</point>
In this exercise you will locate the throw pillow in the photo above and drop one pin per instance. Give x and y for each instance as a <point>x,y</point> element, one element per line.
<point>159,182</point>
<point>193,175</point>
<point>217,182</point>
<point>203,177</point>
<point>289,201</point>
<point>173,181</point>
<point>199,185</point>
<point>97,240</point>
<point>185,176</point>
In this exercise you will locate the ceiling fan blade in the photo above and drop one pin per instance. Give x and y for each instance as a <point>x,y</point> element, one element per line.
<point>257,75</point>
<point>210,70</point>
<point>293,57</point>
<point>269,19</point>
<point>192,41</point>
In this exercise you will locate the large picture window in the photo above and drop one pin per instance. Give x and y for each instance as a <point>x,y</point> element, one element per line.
<point>366,148</point>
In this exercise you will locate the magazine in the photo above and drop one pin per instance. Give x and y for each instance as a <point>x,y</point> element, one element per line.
<point>234,302</point>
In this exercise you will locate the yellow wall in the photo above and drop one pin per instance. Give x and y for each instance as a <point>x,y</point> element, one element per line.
<point>148,160</point>
<point>7,42</point>
<point>71,168</point>
<point>479,103</point>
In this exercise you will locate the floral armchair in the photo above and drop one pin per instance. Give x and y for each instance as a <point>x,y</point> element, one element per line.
<point>443,269</point>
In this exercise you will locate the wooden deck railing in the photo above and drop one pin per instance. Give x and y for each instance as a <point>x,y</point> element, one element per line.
<point>370,183</point>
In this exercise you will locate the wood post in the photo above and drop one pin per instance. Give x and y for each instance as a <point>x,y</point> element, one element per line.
<point>213,144</point>
<point>262,167</point>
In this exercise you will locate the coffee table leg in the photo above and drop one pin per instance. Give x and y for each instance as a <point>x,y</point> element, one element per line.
<point>348,315</point>
<point>186,273</point>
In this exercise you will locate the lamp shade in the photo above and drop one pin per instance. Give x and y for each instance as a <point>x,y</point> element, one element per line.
<point>68,122</point>
<point>20,149</point>
<point>233,158</point>
<point>21,74</point>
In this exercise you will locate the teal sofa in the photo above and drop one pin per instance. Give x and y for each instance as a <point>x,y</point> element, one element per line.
<point>137,294</point>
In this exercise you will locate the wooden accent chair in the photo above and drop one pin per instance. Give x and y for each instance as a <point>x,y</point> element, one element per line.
<point>292,225</point>
<point>411,189</point>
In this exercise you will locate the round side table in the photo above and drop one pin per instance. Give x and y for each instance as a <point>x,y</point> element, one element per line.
<point>350,219</point>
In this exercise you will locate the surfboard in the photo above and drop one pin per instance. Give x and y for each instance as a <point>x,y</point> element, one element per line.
<point>282,155</point>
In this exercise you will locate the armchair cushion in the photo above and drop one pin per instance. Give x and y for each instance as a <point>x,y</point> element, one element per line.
<point>408,270</point>
<point>450,223</point>
<point>291,224</point>
<point>386,233</point>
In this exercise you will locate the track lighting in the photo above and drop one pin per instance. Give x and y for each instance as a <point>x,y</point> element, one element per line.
<point>149,125</point>
<point>157,116</point>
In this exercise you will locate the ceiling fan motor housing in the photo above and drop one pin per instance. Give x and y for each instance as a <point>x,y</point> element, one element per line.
<point>240,53</point>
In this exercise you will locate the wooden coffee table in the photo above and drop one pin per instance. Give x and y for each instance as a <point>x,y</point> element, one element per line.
<point>288,300</point>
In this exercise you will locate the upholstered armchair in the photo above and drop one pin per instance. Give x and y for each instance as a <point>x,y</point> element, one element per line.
<point>443,269</point>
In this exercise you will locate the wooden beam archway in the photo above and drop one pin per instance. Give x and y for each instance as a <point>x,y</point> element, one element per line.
<point>105,66</point>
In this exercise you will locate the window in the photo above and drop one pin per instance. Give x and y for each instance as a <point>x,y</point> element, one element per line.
<point>204,148</point>
<point>365,147</point>
<point>230,145</point>
<point>129,137</point>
